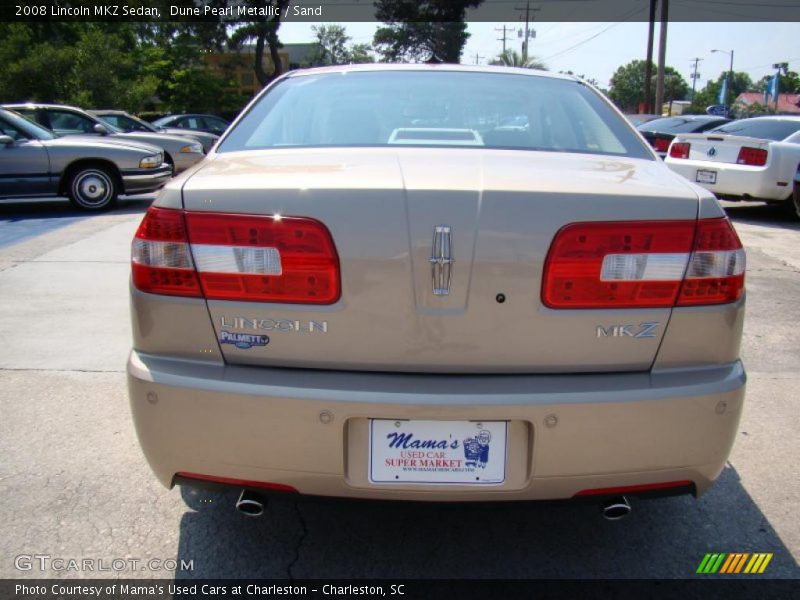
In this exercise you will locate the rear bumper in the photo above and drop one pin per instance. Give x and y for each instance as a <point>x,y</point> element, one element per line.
<point>733,181</point>
<point>141,181</point>
<point>566,434</point>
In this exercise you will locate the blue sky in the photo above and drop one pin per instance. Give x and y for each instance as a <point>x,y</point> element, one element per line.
<point>597,49</point>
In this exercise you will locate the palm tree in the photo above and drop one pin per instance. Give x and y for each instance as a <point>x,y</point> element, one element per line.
<point>512,58</point>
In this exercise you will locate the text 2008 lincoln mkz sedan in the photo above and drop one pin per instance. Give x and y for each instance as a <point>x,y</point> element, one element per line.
<point>372,288</point>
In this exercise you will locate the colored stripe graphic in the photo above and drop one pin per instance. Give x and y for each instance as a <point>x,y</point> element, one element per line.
<point>729,564</point>
<point>734,562</point>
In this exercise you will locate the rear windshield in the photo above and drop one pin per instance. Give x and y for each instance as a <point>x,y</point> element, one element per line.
<point>675,125</point>
<point>442,108</point>
<point>767,129</point>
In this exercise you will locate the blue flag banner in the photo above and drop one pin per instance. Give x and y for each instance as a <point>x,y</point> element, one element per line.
<point>772,90</point>
<point>723,92</point>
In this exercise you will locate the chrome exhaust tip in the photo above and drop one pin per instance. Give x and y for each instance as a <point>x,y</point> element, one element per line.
<point>250,504</point>
<point>615,509</point>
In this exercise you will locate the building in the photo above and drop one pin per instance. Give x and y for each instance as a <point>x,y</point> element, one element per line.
<point>238,65</point>
<point>788,104</point>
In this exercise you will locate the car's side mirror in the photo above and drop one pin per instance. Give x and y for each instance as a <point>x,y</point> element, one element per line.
<point>101,129</point>
<point>6,140</point>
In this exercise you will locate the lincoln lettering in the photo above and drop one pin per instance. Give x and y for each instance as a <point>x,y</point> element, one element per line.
<point>285,325</point>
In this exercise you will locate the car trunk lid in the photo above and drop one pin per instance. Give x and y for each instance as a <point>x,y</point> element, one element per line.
<point>408,222</point>
<point>720,148</point>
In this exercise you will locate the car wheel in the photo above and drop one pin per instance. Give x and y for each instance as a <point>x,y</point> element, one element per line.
<point>794,203</point>
<point>93,188</point>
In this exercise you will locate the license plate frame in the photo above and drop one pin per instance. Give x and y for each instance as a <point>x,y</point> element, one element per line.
<point>706,176</point>
<point>433,452</point>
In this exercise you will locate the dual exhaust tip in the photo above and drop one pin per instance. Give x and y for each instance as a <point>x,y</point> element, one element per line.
<point>615,509</point>
<point>251,504</point>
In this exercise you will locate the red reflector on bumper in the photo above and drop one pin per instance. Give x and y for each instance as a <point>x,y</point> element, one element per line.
<point>242,483</point>
<point>633,489</point>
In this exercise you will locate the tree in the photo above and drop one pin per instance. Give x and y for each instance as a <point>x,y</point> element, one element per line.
<point>333,50</point>
<point>133,66</point>
<point>264,30</point>
<point>789,83</point>
<point>709,95</point>
<point>361,53</point>
<point>331,41</point>
<point>422,30</point>
<point>512,58</point>
<point>627,85</point>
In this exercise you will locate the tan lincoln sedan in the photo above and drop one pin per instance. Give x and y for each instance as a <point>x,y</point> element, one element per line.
<point>436,283</point>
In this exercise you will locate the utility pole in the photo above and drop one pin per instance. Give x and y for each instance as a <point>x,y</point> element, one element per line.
<point>662,57</point>
<point>528,11</point>
<point>729,79</point>
<point>504,38</point>
<point>478,58</point>
<point>695,74</point>
<point>648,65</point>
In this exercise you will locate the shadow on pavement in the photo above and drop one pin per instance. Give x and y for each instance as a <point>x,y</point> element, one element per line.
<point>61,208</point>
<point>772,215</point>
<point>663,538</point>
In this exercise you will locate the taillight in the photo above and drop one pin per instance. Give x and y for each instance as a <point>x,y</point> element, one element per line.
<point>754,157</point>
<point>254,258</point>
<point>661,144</point>
<point>161,261</point>
<point>716,269</point>
<point>642,264</point>
<point>679,150</point>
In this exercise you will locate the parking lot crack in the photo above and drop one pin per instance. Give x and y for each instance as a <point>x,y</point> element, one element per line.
<point>300,540</point>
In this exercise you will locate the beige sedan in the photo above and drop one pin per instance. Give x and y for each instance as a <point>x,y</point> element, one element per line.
<point>372,288</point>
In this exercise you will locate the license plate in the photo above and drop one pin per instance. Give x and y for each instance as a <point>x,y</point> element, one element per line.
<point>706,176</point>
<point>437,452</point>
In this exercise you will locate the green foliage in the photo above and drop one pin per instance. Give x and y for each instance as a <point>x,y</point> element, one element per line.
<point>512,58</point>
<point>263,30</point>
<point>131,66</point>
<point>627,85</point>
<point>709,95</point>
<point>361,53</point>
<point>36,62</point>
<point>331,45</point>
<point>332,48</point>
<point>789,83</point>
<point>422,30</point>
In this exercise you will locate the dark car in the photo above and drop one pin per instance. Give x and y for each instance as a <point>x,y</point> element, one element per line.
<point>639,119</point>
<point>661,132</point>
<point>207,123</point>
<point>128,123</point>
<point>36,163</point>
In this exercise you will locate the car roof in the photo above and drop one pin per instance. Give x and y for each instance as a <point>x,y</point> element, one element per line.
<point>42,105</point>
<point>367,67</point>
<point>105,111</point>
<point>189,115</point>
<point>774,118</point>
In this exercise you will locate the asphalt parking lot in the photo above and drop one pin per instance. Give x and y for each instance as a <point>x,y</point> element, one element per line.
<point>75,485</point>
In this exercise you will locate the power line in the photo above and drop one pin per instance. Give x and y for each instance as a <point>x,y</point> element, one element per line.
<point>626,17</point>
